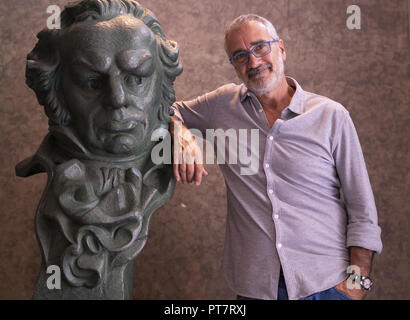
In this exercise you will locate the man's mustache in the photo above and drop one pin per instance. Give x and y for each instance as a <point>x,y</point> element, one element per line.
<point>254,71</point>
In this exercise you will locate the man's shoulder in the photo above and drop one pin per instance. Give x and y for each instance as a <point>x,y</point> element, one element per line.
<point>314,101</point>
<point>225,92</point>
<point>229,88</point>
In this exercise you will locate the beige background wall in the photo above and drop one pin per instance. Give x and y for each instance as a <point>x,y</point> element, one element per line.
<point>367,70</point>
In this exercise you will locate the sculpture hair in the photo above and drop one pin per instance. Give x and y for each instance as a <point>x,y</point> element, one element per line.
<point>43,62</point>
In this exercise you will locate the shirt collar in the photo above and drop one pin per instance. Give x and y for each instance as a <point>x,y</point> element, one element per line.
<point>296,105</point>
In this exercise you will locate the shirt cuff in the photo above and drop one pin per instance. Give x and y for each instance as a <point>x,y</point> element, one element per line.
<point>364,235</point>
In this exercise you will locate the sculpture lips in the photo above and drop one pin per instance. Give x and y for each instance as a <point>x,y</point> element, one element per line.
<point>120,126</point>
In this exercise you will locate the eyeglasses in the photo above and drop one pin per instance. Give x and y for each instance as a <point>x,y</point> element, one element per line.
<point>259,50</point>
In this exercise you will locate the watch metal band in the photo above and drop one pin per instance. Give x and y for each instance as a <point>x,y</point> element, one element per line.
<point>365,282</point>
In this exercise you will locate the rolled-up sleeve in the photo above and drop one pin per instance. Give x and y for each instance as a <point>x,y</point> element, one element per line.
<point>362,228</point>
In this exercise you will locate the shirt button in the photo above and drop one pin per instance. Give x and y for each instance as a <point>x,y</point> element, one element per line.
<point>276,216</point>
<point>260,110</point>
<point>270,191</point>
<point>279,245</point>
<point>267,165</point>
<point>270,138</point>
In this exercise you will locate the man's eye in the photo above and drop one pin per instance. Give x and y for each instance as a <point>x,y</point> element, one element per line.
<point>132,81</point>
<point>259,47</point>
<point>240,57</point>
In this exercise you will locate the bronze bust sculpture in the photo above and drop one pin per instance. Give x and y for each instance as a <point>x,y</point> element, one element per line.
<point>105,80</point>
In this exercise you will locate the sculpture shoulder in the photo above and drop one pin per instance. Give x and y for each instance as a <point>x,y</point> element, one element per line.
<point>41,161</point>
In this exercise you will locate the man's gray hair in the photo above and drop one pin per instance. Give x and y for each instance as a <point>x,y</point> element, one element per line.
<point>246,18</point>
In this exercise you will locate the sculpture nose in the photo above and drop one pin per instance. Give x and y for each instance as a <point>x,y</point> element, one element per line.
<point>116,95</point>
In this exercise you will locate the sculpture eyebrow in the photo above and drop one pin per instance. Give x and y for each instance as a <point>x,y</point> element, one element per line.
<point>98,64</point>
<point>132,60</point>
<point>85,64</point>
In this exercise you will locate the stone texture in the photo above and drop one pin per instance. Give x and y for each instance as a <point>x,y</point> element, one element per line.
<point>367,70</point>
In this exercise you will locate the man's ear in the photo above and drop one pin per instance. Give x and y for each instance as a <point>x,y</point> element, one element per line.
<point>282,49</point>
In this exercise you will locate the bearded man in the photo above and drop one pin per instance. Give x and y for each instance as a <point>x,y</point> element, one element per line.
<point>304,226</point>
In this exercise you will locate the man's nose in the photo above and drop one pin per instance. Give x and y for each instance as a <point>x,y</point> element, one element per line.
<point>116,96</point>
<point>253,61</point>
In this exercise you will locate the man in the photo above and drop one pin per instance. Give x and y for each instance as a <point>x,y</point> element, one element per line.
<point>290,233</point>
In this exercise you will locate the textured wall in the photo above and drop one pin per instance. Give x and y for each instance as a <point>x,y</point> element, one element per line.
<point>367,70</point>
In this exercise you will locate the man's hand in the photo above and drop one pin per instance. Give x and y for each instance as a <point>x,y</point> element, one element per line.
<point>187,155</point>
<point>362,258</point>
<point>355,294</point>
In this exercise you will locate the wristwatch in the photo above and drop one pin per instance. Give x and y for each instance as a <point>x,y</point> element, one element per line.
<point>365,282</point>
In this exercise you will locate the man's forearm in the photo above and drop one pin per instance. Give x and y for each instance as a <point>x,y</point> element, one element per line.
<point>187,156</point>
<point>362,258</point>
<point>172,123</point>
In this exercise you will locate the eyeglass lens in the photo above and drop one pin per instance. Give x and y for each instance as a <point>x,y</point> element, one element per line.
<point>258,51</point>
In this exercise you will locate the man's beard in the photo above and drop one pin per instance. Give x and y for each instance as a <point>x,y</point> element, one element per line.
<point>255,82</point>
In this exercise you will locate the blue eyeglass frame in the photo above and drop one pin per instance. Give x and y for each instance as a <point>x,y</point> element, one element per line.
<point>251,51</point>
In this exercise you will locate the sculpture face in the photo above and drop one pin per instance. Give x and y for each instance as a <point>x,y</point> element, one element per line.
<point>111,84</point>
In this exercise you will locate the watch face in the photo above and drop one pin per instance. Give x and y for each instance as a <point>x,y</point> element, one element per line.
<point>367,283</point>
